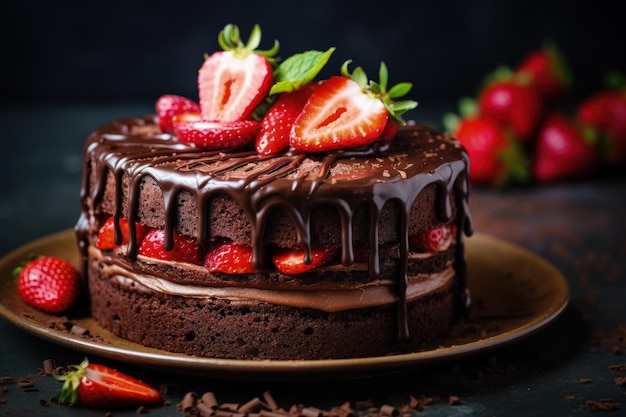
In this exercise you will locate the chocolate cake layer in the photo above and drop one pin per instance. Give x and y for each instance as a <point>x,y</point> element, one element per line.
<point>373,198</point>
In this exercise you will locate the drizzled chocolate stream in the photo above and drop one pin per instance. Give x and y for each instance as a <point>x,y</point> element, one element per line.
<point>135,148</point>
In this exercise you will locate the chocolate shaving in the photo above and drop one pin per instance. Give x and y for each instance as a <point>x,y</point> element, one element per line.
<point>49,365</point>
<point>620,381</point>
<point>605,404</point>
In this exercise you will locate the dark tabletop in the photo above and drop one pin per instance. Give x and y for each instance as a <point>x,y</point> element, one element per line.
<point>574,366</point>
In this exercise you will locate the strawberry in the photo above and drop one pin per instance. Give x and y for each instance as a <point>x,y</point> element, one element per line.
<point>277,122</point>
<point>431,240</point>
<point>605,111</point>
<point>48,283</point>
<point>513,102</point>
<point>564,150</point>
<point>185,249</point>
<point>548,72</point>
<point>190,128</point>
<point>293,261</point>
<point>229,258</point>
<point>106,234</point>
<point>232,82</point>
<point>496,158</point>
<point>170,105</point>
<point>99,386</point>
<point>348,111</point>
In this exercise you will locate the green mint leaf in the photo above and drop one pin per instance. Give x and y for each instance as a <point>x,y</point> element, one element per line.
<point>298,70</point>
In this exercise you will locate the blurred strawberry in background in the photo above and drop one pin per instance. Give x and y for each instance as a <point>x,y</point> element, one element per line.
<point>517,131</point>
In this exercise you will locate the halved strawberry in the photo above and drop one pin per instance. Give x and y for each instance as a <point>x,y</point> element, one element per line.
<point>348,111</point>
<point>106,234</point>
<point>229,258</point>
<point>185,249</point>
<point>232,82</point>
<point>431,240</point>
<point>212,135</point>
<point>98,386</point>
<point>292,261</point>
<point>277,122</point>
<point>170,105</point>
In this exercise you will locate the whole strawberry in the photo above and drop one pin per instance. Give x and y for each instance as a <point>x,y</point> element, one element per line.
<point>605,112</point>
<point>512,101</point>
<point>496,159</point>
<point>49,283</point>
<point>548,71</point>
<point>564,150</point>
<point>98,386</point>
<point>277,122</point>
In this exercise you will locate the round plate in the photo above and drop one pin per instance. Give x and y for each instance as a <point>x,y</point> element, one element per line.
<point>514,293</point>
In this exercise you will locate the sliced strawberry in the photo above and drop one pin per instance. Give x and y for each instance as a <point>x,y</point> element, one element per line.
<point>292,261</point>
<point>170,105</point>
<point>277,122</point>
<point>231,83</point>
<point>185,249</point>
<point>190,128</point>
<point>48,283</point>
<point>98,386</point>
<point>431,241</point>
<point>563,151</point>
<point>106,234</point>
<point>229,258</point>
<point>338,115</point>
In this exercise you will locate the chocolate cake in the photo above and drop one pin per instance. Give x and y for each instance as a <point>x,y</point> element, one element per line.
<point>277,218</point>
<point>390,300</point>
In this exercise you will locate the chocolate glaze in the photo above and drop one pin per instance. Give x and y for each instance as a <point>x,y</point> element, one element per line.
<point>417,157</point>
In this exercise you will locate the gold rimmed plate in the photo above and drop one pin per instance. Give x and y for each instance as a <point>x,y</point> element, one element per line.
<point>515,293</point>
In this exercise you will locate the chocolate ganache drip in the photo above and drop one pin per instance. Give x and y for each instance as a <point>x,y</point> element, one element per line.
<point>134,148</point>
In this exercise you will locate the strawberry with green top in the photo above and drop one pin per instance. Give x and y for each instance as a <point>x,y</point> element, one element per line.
<point>513,101</point>
<point>232,82</point>
<point>99,386</point>
<point>348,111</point>
<point>48,283</point>
<point>548,72</point>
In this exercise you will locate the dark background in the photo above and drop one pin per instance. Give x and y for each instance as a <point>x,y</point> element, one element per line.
<point>137,50</point>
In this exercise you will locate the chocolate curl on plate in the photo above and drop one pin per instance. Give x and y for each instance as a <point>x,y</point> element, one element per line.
<point>49,366</point>
<point>311,412</point>
<point>254,404</point>
<point>269,400</point>
<point>389,411</point>
<point>189,401</point>
<point>265,413</point>
<point>208,398</point>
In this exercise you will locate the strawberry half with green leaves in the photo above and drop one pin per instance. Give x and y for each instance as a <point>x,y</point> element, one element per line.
<point>276,124</point>
<point>210,135</point>
<point>106,234</point>
<point>513,101</point>
<point>48,283</point>
<point>548,72</point>
<point>232,82</point>
<point>170,105</point>
<point>229,258</point>
<point>564,150</point>
<point>348,111</point>
<point>184,249</point>
<point>293,261</point>
<point>99,386</point>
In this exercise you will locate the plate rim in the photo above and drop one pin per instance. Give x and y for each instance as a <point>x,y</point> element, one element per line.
<point>279,369</point>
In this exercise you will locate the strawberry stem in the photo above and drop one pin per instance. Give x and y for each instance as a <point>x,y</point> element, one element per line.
<point>230,40</point>
<point>71,380</point>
